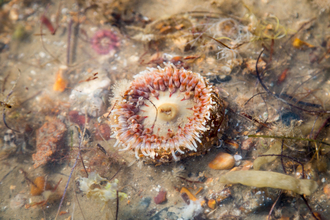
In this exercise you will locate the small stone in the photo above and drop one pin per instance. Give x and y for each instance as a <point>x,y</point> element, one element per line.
<point>247,144</point>
<point>12,187</point>
<point>326,190</point>
<point>13,14</point>
<point>77,118</point>
<point>211,204</point>
<point>145,202</point>
<point>223,78</point>
<point>288,117</point>
<point>223,161</point>
<point>102,131</point>
<point>161,197</point>
<point>224,194</point>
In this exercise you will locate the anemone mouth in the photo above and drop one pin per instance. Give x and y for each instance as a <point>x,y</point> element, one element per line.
<point>168,111</point>
<point>164,111</point>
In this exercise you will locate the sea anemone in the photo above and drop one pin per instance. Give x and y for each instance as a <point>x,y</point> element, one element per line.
<point>166,114</point>
<point>105,41</point>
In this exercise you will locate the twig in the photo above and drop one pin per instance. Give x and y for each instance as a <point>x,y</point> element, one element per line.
<point>4,121</point>
<point>117,209</point>
<point>82,161</point>
<point>273,206</point>
<point>260,93</point>
<point>4,177</point>
<point>291,138</point>
<point>278,96</point>
<point>72,169</point>
<point>6,99</point>
<point>79,207</point>
<point>115,174</point>
<point>282,157</point>
<point>27,178</point>
<point>69,43</point>
<point>189,181</point>
<point>310,209</point>
<point>302,26</point>
<point>322,126</point>
<point>67,184</point>
<point>284,95</point>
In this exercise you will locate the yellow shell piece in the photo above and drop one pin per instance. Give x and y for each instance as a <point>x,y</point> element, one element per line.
<point>189,194</point>
<point>299,44</point>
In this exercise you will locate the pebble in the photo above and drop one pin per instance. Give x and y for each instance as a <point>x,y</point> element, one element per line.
<point>224,194</point>
<point>326,190</point>
<point>247,144</point>
<point>288,117</point>
<point>77,118</point>
<point>145,202</point>
<point>211,204</point>
<point>102,131</point>
<point>161,197</point>
<point>223,161</point>
<point>13,14</point>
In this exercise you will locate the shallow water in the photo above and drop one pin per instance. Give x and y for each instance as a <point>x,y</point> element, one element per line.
<point>58,90</point>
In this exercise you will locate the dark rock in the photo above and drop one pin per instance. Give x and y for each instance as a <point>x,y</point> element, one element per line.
<point>219,79</point>
<point>145,202</point>
<point>287,117</point>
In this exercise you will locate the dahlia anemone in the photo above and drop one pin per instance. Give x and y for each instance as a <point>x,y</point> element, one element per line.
<point>105,41</point>
<point>166,114</point>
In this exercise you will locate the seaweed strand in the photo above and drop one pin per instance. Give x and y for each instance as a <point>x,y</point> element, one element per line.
<point>291,138</point>
<point>278,96</point>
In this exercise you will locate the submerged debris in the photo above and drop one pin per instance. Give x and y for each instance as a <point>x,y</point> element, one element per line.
<point>48,138</point>
<point>91,95</point>
<point>99,188</point>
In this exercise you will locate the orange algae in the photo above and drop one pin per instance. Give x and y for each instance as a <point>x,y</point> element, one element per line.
<point>60,83</point>
<point>39,186</point>
<point>299,44</point>
<point>211,204</point>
